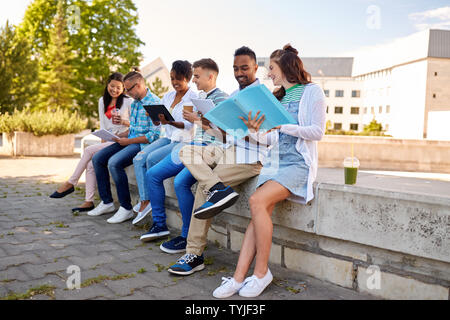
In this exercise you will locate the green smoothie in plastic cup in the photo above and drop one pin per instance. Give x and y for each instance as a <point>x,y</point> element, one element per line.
<point>351,166</point>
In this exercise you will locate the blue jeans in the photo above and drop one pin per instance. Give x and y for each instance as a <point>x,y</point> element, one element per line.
<point>115,158</point>
<point>169,167</point>
<point>146,159</point>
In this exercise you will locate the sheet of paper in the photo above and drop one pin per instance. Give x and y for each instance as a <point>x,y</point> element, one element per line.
<point>203,105</point>
<point>105,135</point>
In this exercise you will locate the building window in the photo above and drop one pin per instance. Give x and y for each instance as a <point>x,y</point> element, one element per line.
<point>380,109</point>
<point>327,93</point>
<point>388,109</point>
<point>339,110</point>
<point>327,109</point>
<point>338,126</point>
<point>386,127</point>
<point>354,110</point>
<point>365,110</point>
<point>339,93</point>
<point>356,94</point>
<point>434,95</point>
<point>372,110</point>
<point>435,74</point>
<point>354,126</point>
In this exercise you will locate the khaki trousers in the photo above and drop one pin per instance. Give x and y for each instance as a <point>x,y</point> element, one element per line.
<point>210,165</point>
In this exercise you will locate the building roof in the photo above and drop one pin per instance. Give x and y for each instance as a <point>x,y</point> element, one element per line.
<point>439,44</point>
<point>323,67</point>
<point>329,67</point>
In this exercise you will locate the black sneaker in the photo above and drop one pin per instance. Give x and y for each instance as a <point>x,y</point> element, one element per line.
<point>219,198</point>
<point>176,245</point>
<point>188,264</point>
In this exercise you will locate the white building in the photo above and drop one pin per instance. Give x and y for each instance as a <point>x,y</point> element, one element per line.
<point>157,69</point>
<point>404,85</point>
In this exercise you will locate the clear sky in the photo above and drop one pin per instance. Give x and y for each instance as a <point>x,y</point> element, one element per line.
<point>190,30</point>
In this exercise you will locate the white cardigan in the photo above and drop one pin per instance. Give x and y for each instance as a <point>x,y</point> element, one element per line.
<point>312,120</point>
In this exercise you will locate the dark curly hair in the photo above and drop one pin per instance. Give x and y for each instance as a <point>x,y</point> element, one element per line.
<point>182,69</point>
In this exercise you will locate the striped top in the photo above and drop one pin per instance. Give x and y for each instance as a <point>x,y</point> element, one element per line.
<point>201,136</point>
<point>293,94</point>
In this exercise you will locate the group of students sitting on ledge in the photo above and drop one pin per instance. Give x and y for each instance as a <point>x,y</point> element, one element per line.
<point>192,149</point>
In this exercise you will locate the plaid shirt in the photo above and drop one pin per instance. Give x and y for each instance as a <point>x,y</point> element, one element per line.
<point>140,124</point>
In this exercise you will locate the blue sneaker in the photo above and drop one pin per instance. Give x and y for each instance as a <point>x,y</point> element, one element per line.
<point>219,198</point>
<point>188,264</point>
<point>155,232</point>
<point>176,245</point>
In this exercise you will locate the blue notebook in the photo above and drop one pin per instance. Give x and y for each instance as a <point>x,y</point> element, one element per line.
<point>258,98</point>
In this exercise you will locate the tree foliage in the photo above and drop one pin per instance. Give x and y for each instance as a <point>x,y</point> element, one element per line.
<point>18,71</point>
<point>157,87</point>
<point>57,72</point>
<point>103,38</point>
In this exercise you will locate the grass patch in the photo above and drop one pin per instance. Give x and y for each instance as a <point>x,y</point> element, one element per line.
<point>159,267</point>
<point>209,261</point>
<point>7,280</point>
<point>216,271</point>
<point>58,224</point>
<point>42,290</point>
<point>101,278</point>
<point>142,270</point>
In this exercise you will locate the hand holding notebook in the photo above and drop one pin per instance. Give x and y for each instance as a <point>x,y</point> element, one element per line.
<point>105,135</point>
<point>228,114</point>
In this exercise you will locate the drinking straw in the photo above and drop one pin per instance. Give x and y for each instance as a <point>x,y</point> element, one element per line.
<point>353,152</point>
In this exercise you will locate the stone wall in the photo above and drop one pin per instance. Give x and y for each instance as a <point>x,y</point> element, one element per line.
<point>26,144</point>
<point>380,153</point>
<point>348,236</point>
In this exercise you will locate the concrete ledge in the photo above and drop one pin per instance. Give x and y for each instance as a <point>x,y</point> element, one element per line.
<point>384,153</point>
<point>394,224</point>
<point>26,144</point>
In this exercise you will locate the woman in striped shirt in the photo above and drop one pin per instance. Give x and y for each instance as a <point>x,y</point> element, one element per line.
<point>291,173</point>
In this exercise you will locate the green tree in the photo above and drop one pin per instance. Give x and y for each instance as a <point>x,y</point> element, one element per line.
<point>157,88</point>
<point>18,71</point>
<point>373,128</point>
<point>56,73</point>
<point>102,34</point>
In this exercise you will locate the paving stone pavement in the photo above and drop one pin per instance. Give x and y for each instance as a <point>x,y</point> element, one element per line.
<point>40,239</point>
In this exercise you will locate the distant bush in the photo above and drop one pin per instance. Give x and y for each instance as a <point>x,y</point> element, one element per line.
<point>354,133</point>
<point>373,129</point>
<point>41,123</point>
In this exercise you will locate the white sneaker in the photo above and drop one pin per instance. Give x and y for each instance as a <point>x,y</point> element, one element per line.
<point>137,207</point>
<point>143,214</point>
<point>102,209</point>
<point>121,216</point>
<point>228,288</point>
<point>253,286</point>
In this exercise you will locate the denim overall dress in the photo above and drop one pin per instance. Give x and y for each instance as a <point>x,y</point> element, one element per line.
<point>286,165</point>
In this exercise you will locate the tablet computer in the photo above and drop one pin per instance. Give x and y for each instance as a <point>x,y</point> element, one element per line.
<point>155,110</point>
